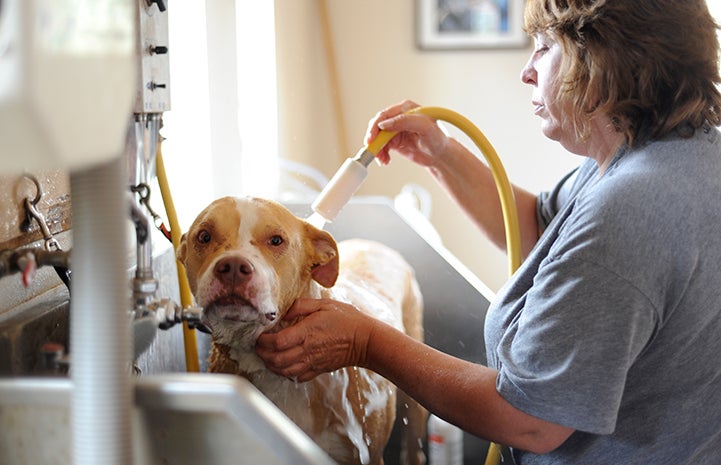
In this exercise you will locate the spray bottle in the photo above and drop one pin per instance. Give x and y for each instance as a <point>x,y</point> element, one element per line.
<point>348,179</point>
<point>445,442</point>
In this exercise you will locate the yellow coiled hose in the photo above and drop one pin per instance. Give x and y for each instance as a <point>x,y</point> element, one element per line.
<point>505,193</point>
<point>192,364</point>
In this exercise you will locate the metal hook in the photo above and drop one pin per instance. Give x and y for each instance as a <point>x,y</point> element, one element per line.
<point>32,212</point>
<point>38,188</point>
<point>50,242</point>
<point>143,191</point>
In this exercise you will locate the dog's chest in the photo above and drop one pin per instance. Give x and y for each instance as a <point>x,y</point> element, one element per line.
<point>335,408</point>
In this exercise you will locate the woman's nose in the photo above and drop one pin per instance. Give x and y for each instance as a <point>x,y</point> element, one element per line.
<point>528,74</point>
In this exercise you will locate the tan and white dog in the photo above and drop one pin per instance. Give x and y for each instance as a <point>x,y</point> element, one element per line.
<point>247,260</point>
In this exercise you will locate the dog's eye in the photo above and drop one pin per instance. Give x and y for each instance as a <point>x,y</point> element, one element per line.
<point>204,237</point>
<point>275,240</point>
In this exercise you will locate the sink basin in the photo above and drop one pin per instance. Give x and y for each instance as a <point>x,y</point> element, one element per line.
<point>179,419</point>
<point>24,332</point>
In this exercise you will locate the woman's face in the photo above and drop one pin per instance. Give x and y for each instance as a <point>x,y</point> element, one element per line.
<point>540,72</point>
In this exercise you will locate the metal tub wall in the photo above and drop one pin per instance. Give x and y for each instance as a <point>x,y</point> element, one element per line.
<point>27,327</point>
<point>178,419</point>
<point>455,305</point>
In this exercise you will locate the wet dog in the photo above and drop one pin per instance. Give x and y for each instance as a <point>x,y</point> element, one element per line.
<point>247,260</point>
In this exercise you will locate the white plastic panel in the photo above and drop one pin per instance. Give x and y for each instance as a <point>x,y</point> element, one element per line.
<point>67,83</point>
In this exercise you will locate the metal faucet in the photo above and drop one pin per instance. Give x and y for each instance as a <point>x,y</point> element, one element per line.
<point>153,99</point>
<point>144,283</point>
<point>26,260</point>
<point>146,306</point>
<point>165,312</point>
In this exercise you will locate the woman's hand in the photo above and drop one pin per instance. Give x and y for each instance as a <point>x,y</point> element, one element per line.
<point>327,335</point>
<point>418,136</point>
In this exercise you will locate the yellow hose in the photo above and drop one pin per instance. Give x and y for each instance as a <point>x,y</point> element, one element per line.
<point>505,193</point>
<point>508,205</point>
<point>494,454</point>
<point>192,364</point>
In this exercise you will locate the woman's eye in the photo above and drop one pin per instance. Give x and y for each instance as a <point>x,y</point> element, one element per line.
<point>204,237</point>
<point>275,240</point>
<point>541,43</point>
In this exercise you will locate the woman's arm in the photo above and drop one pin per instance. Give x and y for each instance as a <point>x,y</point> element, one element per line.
<point>467,180</point>
<point>331,335</point>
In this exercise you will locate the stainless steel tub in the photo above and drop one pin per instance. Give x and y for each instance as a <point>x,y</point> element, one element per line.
<point>178,419</point>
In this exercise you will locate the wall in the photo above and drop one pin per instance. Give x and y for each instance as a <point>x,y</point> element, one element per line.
<point>379,64</point>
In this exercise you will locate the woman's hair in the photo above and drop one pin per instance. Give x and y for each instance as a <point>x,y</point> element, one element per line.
<point>650,65</point>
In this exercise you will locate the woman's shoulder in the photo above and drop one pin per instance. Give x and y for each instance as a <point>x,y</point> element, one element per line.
<point>663,170</point>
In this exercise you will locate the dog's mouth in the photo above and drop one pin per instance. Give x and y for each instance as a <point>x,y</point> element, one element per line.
<point>233,307</point>
<point>231,300</point>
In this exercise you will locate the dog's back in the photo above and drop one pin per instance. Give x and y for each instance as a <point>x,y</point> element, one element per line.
<point>386,274</point>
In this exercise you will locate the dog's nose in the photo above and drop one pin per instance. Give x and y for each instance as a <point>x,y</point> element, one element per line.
<point>233,269</point>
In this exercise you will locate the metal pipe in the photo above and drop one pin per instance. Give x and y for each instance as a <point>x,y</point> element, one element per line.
<point>99,323</point>
<point>147,128</point>
<point>10,260</point>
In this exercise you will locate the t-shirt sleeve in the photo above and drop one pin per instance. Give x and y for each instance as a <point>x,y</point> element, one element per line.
<point>592,325</point>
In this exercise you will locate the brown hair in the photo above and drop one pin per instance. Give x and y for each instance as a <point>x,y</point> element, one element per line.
<point>650,65</point>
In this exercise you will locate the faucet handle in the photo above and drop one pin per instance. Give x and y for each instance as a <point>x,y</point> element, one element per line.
<point>194,316</point>
<point>168,314</point>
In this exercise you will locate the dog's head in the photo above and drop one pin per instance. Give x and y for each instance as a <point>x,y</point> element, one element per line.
<point>248,259</point>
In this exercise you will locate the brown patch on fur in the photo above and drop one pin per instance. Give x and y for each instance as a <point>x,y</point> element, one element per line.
<point>219,361</point>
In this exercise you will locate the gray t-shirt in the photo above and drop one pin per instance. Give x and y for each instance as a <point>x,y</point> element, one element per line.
<point>612,325</point>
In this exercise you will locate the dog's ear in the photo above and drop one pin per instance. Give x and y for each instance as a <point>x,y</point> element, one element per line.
<point>324,257</point>
<point>182,248</point>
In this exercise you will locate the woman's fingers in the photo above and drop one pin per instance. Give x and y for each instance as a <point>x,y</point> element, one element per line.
<point>373,126</point>
<point>302,308</point>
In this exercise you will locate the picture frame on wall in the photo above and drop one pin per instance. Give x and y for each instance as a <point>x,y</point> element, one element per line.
<point>469,24</point>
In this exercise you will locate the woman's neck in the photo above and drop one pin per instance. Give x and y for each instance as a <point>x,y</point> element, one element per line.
<point>603,143</point>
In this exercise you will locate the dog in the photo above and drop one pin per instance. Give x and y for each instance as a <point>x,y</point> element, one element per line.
<point>247,260</point>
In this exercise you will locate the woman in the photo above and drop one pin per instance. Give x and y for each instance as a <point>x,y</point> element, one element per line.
<point>602,347</point>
